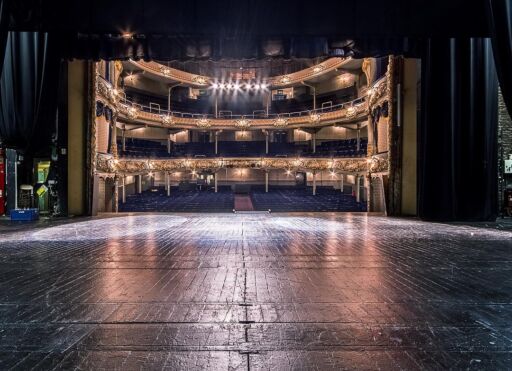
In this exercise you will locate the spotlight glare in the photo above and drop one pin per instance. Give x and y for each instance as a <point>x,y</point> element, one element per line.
<point>257,86</point>
<point>264,86</point>
<point>215,86</point>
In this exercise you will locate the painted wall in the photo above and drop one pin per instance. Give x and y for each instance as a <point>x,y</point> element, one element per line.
<point>77,127</point>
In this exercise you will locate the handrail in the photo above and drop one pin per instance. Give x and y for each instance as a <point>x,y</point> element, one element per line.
<point>148,108</point>
<point>354,107</point>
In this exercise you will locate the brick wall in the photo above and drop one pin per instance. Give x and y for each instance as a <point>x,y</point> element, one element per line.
<point>504,146</point>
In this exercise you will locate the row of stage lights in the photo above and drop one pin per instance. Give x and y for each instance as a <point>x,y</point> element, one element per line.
<point>237,86</point>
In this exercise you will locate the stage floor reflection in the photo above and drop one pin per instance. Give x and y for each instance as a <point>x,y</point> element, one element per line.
<point>255,291</point>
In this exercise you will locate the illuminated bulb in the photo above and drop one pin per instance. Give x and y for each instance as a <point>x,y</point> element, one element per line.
<point>264,86</point>
<point>215,86</point>
<point>166,71</point>
<point>257,86</point>
<point>285,79</point>
<point>315,117</point>
<point>127,35</point>
<point>318,68</point>
<point>288,172</point>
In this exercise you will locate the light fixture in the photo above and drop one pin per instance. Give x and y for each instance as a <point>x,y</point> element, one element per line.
<point>288,172</point>
<point>201,80</point>
<point>280,122</point>
<point>215,85</point>
<point>264,86</point>
<point>257,87</point>
<point>315,117</point>
<point>285,79</point>
<point>133,112</point>
<point>351,111</point>
<point>242,123</point>
<point>165,70</point>
<point>167,120</point>
<point>318,68</point>
<point>203,123</point>
<point>127,35</point>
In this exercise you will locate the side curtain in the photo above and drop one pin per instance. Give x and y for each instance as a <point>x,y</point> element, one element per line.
<point>457,165</point>
<point>500,21</point>
<point>29,91</point>
<point>4,18</point>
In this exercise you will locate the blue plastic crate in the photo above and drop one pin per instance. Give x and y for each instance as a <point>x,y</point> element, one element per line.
<point>24,214</point>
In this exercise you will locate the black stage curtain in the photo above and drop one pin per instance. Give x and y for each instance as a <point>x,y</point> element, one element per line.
<point>457,165</point>
<point>500,20</point>
<point>28,92</point>
<point>3,30</point>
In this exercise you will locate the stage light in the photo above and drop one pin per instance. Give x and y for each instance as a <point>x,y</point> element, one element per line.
<point>333,174</point>
<point>264,86</point>
<point>150,174</point>
<point>215,85</point>
<point>236,86</point>
<point>257,87</point>
<point>288,172</point>
<point>127,35</point>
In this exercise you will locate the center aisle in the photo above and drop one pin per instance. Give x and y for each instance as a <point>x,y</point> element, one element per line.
<point>243,203</point>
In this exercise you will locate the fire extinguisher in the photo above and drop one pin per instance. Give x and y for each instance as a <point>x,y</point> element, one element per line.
<point>2,181</point>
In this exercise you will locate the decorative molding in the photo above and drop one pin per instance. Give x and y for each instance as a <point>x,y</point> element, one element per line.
<point>280,122</point>
<point>173,74</point>
<point>378,164</point>
<point>134,113</point>
<point>307,73</point>
<point>108,164</point>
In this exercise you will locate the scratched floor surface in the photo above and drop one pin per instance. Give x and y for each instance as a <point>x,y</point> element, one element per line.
<point>255,292</point>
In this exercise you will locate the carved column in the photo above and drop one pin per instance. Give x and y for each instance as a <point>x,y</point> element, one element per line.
<point>124,190</point>
<point>168,183</point>
<point>266,140</point>
<point>314,183</point>
<point>266,181</point>
<point>115,205</point>
<point>113,135</point>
